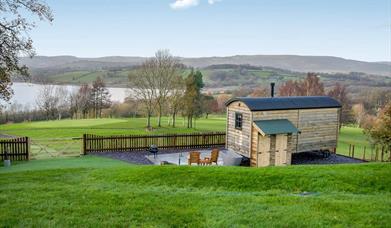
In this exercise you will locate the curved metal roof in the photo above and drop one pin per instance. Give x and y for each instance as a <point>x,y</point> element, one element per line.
<point>286,103</point>
<point>273,127</point>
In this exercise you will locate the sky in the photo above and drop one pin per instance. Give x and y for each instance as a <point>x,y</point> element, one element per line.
<point>352,29</point>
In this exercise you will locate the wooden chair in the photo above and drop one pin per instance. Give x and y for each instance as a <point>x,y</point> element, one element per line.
<point>194,157</point>
<point>214,157</point>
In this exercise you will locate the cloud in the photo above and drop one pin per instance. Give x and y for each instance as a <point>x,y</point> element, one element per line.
<point>211,2</point>
<point>184,4</point>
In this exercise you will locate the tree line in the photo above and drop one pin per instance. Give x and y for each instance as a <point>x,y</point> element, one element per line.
<point>165,87</point>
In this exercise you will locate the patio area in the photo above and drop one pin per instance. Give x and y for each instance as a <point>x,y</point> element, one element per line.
<point>181,158</point>
<point>226,158</point>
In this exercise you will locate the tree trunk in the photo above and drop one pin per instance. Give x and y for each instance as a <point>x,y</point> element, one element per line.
<point>173,119</point>
<point>159,120</point>
<point>149,120</point>
<point>190,121</point>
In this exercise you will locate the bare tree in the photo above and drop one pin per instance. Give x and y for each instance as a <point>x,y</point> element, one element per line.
<point>221,99</point>
<point>153,82</point>
<point>340,93</point>
<point>14,39</point>
<point>47,101</point>
<point>290,88</point>
<point>62,95</point>
<point>143,85</point>
<point>167,72</point>
<point>84,100</point>
<point>74,103</point>
<point>80,103</point>
<point>310,86</point>
<point>175,99</point>
<point>359,113</point>
<point>259,92</point>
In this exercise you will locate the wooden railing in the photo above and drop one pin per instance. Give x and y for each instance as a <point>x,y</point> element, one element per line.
<point>16,149</point>
<point>94,143</point>
<point>370,153</point>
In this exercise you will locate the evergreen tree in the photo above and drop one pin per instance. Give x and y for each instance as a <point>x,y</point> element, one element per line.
<point>193,98</point>
<point>100,97</point>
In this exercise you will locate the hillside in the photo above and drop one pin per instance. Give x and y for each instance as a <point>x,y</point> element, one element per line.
<point>325,64</point>
<point>216,77</point>
<point>97,192</point>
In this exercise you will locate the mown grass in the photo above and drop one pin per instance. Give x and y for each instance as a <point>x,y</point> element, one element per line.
<point>59,138</point>
<point>96,192</point>
<point>76,128</point>
<point>354,136</point>
<point>56,136</point>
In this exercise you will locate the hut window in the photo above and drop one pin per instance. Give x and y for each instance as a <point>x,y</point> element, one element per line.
<point>238,120</point>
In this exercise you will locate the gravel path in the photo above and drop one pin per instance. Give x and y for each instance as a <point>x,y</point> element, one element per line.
<point>139,157</point>
<point>318,158</point>
<point>4,136</point>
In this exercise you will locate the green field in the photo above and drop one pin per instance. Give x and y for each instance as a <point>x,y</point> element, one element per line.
<point>356,137</point>
<point>57,138</point>
<point>99,192</point>
<point>92,191</point>
<point>62,138</point>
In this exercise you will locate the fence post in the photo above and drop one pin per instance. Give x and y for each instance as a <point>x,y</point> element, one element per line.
<point>28,148</point>
<point>84,145</point>
<point>353,151</point>
<point>140,142</point>
<point>363,156</point>
<point>350,148</point>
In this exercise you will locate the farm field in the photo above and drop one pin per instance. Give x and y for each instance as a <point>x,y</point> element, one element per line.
<point>94,192</point>
<point>60,138</point>
<point>356,137</point>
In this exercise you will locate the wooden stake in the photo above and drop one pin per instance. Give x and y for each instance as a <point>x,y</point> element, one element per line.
<point>353,151</point>
<point>363,156</point>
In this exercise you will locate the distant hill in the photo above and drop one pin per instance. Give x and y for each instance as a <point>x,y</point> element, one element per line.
<point>385,62</point>
<point>325,64</point>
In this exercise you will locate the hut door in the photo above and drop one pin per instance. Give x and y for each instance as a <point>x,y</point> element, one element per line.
<point>281,149</point>
<point>263,150</point>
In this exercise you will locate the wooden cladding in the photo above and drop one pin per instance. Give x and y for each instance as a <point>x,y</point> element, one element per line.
<point>94,143</point>
<point>239,140</point>
<point>16,149</point>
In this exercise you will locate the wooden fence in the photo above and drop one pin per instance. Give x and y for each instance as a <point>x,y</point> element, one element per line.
<point>16,149</point>
<point>371,153</point>
<point>94,143</point>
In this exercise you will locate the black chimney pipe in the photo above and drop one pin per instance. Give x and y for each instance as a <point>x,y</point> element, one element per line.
<point>272,89</point>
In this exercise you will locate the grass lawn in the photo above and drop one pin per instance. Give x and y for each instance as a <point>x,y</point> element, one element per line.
<point>76,128</point>
<point>354,136</point>
<point>54,138</point>
<point>92,191</point>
